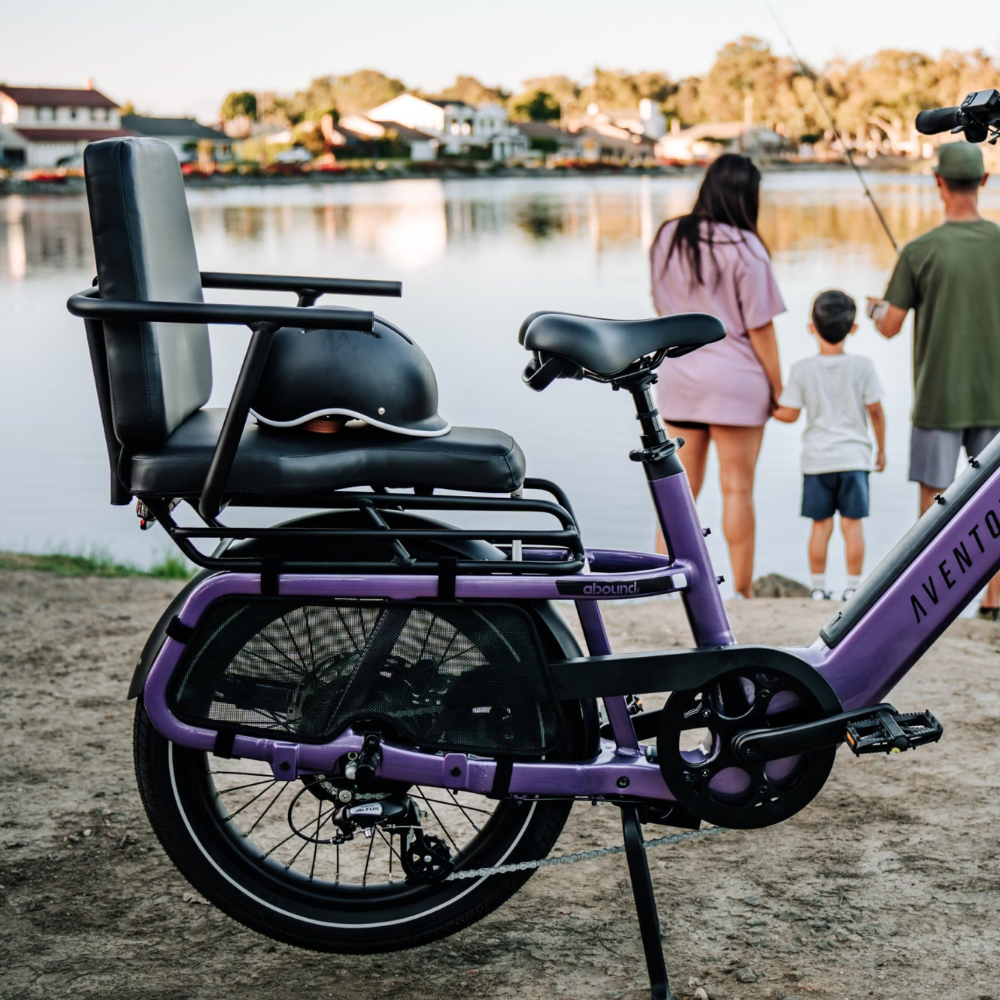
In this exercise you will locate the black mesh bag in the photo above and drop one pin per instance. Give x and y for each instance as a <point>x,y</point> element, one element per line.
<point>459,676</point>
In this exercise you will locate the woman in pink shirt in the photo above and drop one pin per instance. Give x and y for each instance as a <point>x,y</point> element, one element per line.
<point>713,261</point>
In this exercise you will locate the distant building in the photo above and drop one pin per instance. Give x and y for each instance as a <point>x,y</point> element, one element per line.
<point>645,120</point>
<point>423,145</point>
<point>708,140</point>
<point>39,126</point>
<point>458,127</point>
<point>603,143</point>
<point>552,141</point>
<point>184,135</point>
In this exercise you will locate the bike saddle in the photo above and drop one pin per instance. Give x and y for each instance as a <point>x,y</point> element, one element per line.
<point>606,347</point>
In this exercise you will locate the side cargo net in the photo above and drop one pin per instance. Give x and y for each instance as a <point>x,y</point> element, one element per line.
<point>442,676</point>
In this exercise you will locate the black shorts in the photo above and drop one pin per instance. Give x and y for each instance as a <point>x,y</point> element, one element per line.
<point>829,492</point>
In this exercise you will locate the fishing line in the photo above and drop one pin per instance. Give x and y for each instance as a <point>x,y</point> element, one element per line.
<point>813,77</point>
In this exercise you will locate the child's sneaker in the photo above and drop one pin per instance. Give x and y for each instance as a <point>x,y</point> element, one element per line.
<point>848,594</point>
<point>818,594</point>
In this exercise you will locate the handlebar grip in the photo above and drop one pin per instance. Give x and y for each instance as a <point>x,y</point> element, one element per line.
<point>937,120</point>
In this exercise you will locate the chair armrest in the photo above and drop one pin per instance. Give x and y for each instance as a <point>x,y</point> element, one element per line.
<point>289,283</point>
<point>89,305</point>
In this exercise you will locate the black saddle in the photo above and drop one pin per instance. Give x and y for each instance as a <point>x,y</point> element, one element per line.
<point>606,347</point>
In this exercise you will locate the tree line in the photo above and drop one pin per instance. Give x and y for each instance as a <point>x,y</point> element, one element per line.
<point>874,97</point>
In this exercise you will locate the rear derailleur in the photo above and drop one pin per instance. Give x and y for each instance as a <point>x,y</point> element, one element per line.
<point>388,811</point>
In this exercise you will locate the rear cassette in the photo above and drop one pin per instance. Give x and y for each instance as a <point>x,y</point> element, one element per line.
<point>701,768</point>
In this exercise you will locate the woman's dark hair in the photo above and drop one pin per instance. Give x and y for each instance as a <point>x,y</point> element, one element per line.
<point>730,193</point>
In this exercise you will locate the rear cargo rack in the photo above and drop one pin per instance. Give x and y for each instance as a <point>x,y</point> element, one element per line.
<point>557,551</point>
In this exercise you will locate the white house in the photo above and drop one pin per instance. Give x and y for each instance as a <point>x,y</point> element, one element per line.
<point>184,135</point>
<point>423,145</point>
<point>708,140</point>
<point>646,120</point>
<point>459,127</point>
<point>41,125</point>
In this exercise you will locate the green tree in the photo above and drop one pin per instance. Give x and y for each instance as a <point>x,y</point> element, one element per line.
<point>745,72</point>
<point>240,104</point>
<point>469,90</point>
<point>352,93</point>
<point>535,106</point>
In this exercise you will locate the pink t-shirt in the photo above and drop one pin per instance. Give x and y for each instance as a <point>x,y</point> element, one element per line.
<point>721,383</point>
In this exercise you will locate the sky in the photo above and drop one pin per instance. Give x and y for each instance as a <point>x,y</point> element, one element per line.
<point>183,57</point>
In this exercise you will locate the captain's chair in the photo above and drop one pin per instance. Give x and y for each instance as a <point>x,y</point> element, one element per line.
<point>146,326</point>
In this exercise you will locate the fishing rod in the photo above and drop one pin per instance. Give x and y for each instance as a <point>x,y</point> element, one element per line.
<point>814,78</point>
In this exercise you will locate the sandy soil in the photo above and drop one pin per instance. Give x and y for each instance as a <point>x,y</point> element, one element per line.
<point>888,886</point>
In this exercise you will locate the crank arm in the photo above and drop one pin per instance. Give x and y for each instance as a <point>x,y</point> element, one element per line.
<point>786,741</point>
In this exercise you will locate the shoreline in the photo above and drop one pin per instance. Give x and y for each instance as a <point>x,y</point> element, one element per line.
<point>74,186</point>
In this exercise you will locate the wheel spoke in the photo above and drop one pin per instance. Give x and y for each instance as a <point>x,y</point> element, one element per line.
<point>445,829</point>
<point>368,860</point>
<point>464,812</point>
<point>263,791</point>
<point>281,791</point>
<point>252,784</point>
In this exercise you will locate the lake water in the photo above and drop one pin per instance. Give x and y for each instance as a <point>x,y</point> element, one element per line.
<point>475,258</point>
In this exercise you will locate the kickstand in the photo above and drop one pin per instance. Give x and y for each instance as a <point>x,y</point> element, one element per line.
<point>645,903</point>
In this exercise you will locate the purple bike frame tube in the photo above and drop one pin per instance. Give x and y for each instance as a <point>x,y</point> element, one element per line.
<point>598,777</point>
<point>685,540</point>
<point>917,607</point>
<point>597,645</point>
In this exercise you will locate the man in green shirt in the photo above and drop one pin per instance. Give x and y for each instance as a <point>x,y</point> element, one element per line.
<point>950,276</point>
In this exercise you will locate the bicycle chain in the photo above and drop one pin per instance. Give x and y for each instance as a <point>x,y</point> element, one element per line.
<point>568,859</point>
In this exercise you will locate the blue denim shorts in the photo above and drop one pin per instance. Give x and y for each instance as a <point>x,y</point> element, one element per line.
<point>829,492</point>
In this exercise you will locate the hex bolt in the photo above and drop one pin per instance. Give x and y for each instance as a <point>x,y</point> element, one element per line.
<point>456,772</point>
<point>352,755</point>
<point>284,766</point>
<point>345,795</point>
<point>706,713</point>
<point>622,782</point>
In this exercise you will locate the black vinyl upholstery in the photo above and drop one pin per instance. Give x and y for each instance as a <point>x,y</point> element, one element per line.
<point>607,346</point>
<point>159,373</point>
<point>154,378</point>
<point>283,464</point>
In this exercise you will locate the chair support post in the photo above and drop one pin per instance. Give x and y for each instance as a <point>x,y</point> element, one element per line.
<point>236,418</point>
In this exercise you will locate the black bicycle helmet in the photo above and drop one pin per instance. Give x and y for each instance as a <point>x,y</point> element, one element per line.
<point>382,378</point>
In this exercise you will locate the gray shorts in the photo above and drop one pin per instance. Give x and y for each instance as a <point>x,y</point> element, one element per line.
<point>934,453</point>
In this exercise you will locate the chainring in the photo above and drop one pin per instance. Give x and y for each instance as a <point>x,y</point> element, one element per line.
<point>699,766</point>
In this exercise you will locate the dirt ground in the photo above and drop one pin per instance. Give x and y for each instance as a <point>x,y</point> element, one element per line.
<point>887,886</point>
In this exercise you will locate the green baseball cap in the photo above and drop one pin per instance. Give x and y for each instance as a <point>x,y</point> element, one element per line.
<point>960,161</point>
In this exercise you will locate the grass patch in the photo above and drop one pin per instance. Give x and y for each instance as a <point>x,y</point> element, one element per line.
<point>171,567</point>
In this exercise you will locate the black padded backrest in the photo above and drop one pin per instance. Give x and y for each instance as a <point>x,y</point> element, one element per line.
<point>158,373</point>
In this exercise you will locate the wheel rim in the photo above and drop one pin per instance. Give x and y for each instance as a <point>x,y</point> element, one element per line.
<point>243,833</point>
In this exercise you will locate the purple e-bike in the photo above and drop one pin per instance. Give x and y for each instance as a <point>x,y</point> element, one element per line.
<point>362,730</point>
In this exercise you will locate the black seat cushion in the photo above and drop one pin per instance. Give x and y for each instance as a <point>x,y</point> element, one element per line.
<point>607,346</point>
<point>284,464</point>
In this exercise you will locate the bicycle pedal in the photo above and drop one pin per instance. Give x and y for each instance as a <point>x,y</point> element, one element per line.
<point>892,732</point>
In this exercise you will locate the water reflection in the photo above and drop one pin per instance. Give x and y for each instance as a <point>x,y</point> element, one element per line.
<point>476,257</point>
<point>39,234</point>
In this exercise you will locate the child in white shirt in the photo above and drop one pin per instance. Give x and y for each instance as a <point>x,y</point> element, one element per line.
<point>841,394</point>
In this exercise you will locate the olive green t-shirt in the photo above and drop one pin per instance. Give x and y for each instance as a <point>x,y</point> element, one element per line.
<point>951,278</point>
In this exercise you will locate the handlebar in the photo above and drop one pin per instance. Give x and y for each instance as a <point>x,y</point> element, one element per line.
<point>937,120</point>
<point>978,116</point>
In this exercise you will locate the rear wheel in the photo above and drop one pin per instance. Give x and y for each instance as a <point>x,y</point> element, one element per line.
<point>264,851</point>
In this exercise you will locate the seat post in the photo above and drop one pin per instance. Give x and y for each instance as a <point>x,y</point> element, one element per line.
<point>659,451</point>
